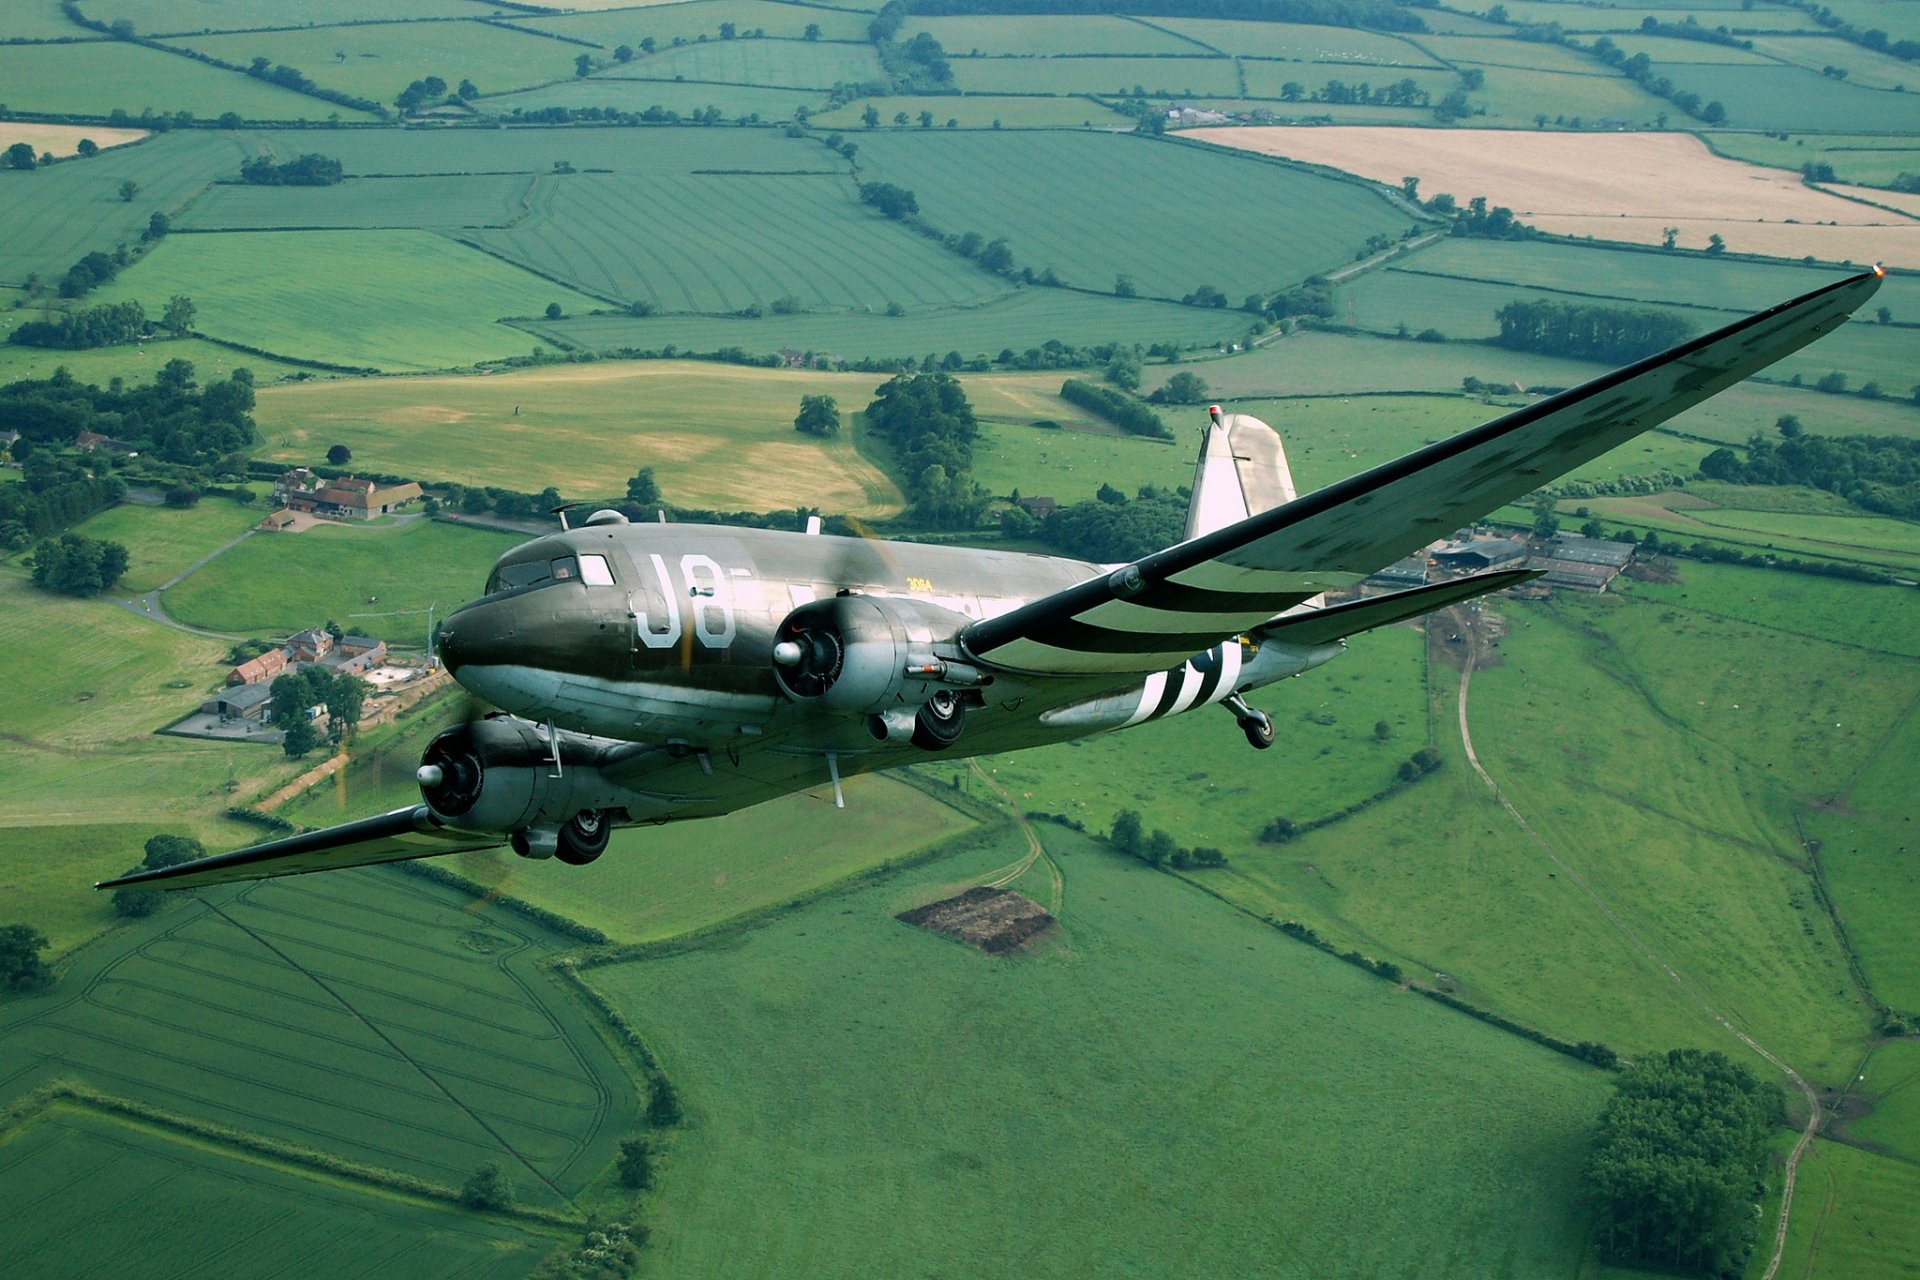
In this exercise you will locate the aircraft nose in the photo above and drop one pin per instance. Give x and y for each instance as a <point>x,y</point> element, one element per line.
<point>474,635</point>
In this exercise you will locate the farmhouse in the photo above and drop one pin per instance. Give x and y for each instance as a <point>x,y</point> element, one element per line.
<point>1039,508</point>
<point>355,655</point>
<point>255,670</point>
<point>310,645</point>
<point>347,498</point>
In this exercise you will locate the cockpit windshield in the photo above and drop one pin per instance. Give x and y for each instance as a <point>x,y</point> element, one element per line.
<point>590,569</point>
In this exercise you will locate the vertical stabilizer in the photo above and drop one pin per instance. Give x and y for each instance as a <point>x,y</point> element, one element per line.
<point>1242,471</point>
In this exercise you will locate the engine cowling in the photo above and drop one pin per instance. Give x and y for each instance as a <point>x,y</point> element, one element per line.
<point>500,775</point>
<point>869,655</point>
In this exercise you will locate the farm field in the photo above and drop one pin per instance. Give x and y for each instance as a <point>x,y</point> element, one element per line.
<point>1300,42</point>
<point>734,102</point>
<point>1308,363</point>
<point>1182,77</point>
<point>279,584</point>
<point>369,203</point>
<point>765,1031</point>
<point>271,1216</point>
<point>47,873</point>
<point>1893,1085</point>
<point>136,362</point>
<point>1503,50</point>
<point>76,79</point>
<point>1269,80</point>
<point>533,150</point>
<point>56,216</point>
<point>1044,35</point>
<point>62,139</point>
<point>727,245</point>
<point>1614,19</point>
<point>630,24</point>
<point>1864,158</point>
<point>174,17</point>
<point>1014,321</point>
<point>1885,619</point>
<point>369,1015</point>
<point>1071,465</point>
<point>39,20</point>
<point>391,300</point>
<point>163,541</point>
<point>791,64</point>
<point>980,111</point>
<point>1138,189</point>
<point>1606,191</point>
<point>1513,99</point>
<point>1856,1218</point>
<point>1796,98</point>
<point>1695,519</point>
<point>377,60</point>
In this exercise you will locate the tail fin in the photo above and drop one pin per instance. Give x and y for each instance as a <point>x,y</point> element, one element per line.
<point>1242,471</point>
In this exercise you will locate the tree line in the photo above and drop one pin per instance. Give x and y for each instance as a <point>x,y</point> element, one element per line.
<point>1122,411</point>
<point>1875,473</point>
<point>1378,15</point>
<point>927,420</point>
<point>1617,335</point>
<point>73,565</point>
<point>171,416</point>
<point>1111,527</point>
<point>310,170</point>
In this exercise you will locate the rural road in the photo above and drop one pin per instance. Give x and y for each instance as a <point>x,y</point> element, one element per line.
<point>148,606</point>
<point>1057,889</point>
<point>1816,1114</point>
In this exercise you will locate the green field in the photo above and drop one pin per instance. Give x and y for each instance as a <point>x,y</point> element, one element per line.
<point>1319,364</point>
<point>980,111</point>
<point>163,541</point>
<point>1697,519</point>
<point>791,64</point>
<point>392,300</point>
<point>1886,619</point>
<point>734,102</point>
<point>56,216</point>
<point>39,20</point>
<point>439,203</point>
<point>1505,51</point>
<point>1867,158</point>
<point>377,60</point>
<point>431,152</point>
<point>94,78</point>
<point>1079,1087</point>
<point>1795,98</point>
<point>1576,17</point>
<point>690,21</point>
<point>1072,465</point>
<point>720,243</point>
<point>274,1218</point>
<point>1183,77</point>
<point>1511,98</point>
<point>277,585</point>
<point>1268,80</point>
<point>175,17</point>
<point>136,362</point>
<point>1853,1214</point>
<point>1893,1084</point>
<point>1138,189</point>
<point>1029,35</point>
<point>1302,42</point>
<point>374,1017</point>
<point>1011,321</point>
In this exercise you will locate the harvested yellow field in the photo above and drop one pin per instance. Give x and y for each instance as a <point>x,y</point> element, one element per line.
<point>63,139</point>
<point>1611,186</point>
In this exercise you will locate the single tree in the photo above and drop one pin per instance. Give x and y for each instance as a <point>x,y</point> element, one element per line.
<point>339,455</point>
<point>583,65</point>
<point>1184,387</point>
<point>1127,832</point>
<point>819,416</point>
<point>1788,425</point>
<point>488,1188</point>
<point>20,964</point>
<point>636,1164</point>
<point>177,319</point>
<point>663,1104</point>
<point>128,190</point>
<point>812,32</point>
<point>643,488</point>
<point>21,156</point>
<point>87,147</point>
<point>301,738</point>
<point>1382,730</point>
<point>1716,245</point>
<point>1160,847</point>
<point>870,117</point>
<point>553,311</point>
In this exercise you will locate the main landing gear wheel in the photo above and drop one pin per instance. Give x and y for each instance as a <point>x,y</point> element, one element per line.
<point>583,838</point>
<point>937,726</point>
<point>1259,730</point>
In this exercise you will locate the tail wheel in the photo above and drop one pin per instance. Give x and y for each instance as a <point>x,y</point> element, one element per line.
<point>937,726</point>
<point>583,838</point>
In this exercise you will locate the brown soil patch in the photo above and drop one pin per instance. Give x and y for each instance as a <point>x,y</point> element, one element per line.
<point>996,921</point>
<point>1611,186</point>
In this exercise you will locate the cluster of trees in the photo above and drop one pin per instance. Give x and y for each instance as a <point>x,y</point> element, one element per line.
<point>57,492</point>
<point>1639,69</point>
<point>919,64</point>
<point>1875,473</point>
<point>434,89</point>
<point>488,1188</point>
<point>73,565</point>
<point>162,851</point>
<point>1871,38</point>
<point>1613,334</point>
<point>1401,93</point>
<point>21,967</point>
<point>1121,410</point>
<point>1679,1165</point>
<point>927,420</point>
<point>1419,764</point>
<point>168,417</point>
<point>298,692</point>
<point>1377,15</point>
<point>310,170</point>
<point>1157,848</point>
<point>102,326</point>
<point>21,155</point>
<point>819,416</point>
<point>1111,527</point>
<point>1185,387</point>
<point>91,272</point>
<point>896,202</point>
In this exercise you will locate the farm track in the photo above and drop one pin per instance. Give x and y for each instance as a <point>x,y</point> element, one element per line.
<point>1036,851</point>
<point>1816,1114</point>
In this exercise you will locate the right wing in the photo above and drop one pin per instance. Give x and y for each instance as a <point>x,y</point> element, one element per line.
<point>1338,621</point>
<point>1155,613</point>
<point>412,832</point>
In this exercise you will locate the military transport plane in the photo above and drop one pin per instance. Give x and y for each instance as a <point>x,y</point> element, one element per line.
<point>653,673</point>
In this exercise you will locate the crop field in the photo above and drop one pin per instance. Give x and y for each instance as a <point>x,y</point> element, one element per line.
<point>1138,188</point>
<point>1679,58</point>
<point>1338,364</point>
<point>1896,18</point>
<point>377,60</point>
<point>68,78</point>
<point>765,1033</point>
<point>1505,51</point>
<point>62,139</point>
<point>718,243</point>
<point>163,541</point>
<point>1042,35</point>
<point>373,1017</point>
<point>1581,18</point>
<point>56,216</point>
<point>1184,77</point>
<point>734,102</point>
<point>1607,192</point>
<point>393,300</point>
<point>792,64</point>
<point>1299,42</point>
<point>39,20</point>
<point>980,111</point>
<point>47,874</point>
<point>136,362</point>
<point>178,17</point>
<point>279,584</point>
<point>425,153</point>
<point>272,1217</point>
<point>1017,321</point>
<point>447,203</point>
<point>1696,519</point>
<point>1513,98</point>
<point>630,25</point>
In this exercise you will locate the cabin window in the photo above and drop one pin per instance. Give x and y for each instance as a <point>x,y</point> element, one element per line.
<point>594,571</point>
<point>566,569</point>
<point>525,574</point>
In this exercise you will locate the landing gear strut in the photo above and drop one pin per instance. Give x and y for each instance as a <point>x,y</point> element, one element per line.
<point>583,838</point>
<point>937,725</point>
<point>1257,725</point>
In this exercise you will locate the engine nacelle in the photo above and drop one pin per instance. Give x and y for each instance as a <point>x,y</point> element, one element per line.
<point>500,775</point>
<point>869,655</point>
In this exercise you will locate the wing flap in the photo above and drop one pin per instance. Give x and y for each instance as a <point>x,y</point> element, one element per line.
<point>1156,612</point>
<point>412,832</point>
<point>1337,622</point>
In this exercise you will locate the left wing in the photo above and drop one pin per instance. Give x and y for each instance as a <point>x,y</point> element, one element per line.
<point>412,832</point>
<point>1157,612</point>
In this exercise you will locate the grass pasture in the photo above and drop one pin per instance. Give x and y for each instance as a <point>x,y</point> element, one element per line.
<point>721,243</point>
<point>789,64</point>
<point>1137,189</point>
<point>1862,158</point>
<point>686,97</point>
<point>1893,1084</point>
<point>1318,364</point>
<point>39,20</point>
<point>393,300</point>
<point>425,153</point>
<point>185,17</point>
<point>136,362</point>
<point>439,203</point>
<point>1885,619</point>
<point>1877,543</point>
<point>374,1017</point>
<point>1044,35</point>
<point>1796,98</point>
<point>1014,321</point>
<point>199,1208</point>
<point>163,541</point>
<point>630,24</point>
<point>981,111</point>
<point>92,78</point>
<point>1300,42</point>
<point>1851,1214</point>
<point>1183,77</point>
<point>1076,1084</point>
<point>1071,465</point>
<point>277,585</point>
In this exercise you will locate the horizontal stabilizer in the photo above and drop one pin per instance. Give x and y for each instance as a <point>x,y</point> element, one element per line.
<point>412,832</point>
<point>1337,622</point>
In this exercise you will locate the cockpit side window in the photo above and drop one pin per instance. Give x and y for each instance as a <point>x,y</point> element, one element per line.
<point>565,569</point>
<point>594,571</point>
<point>525,574</point>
